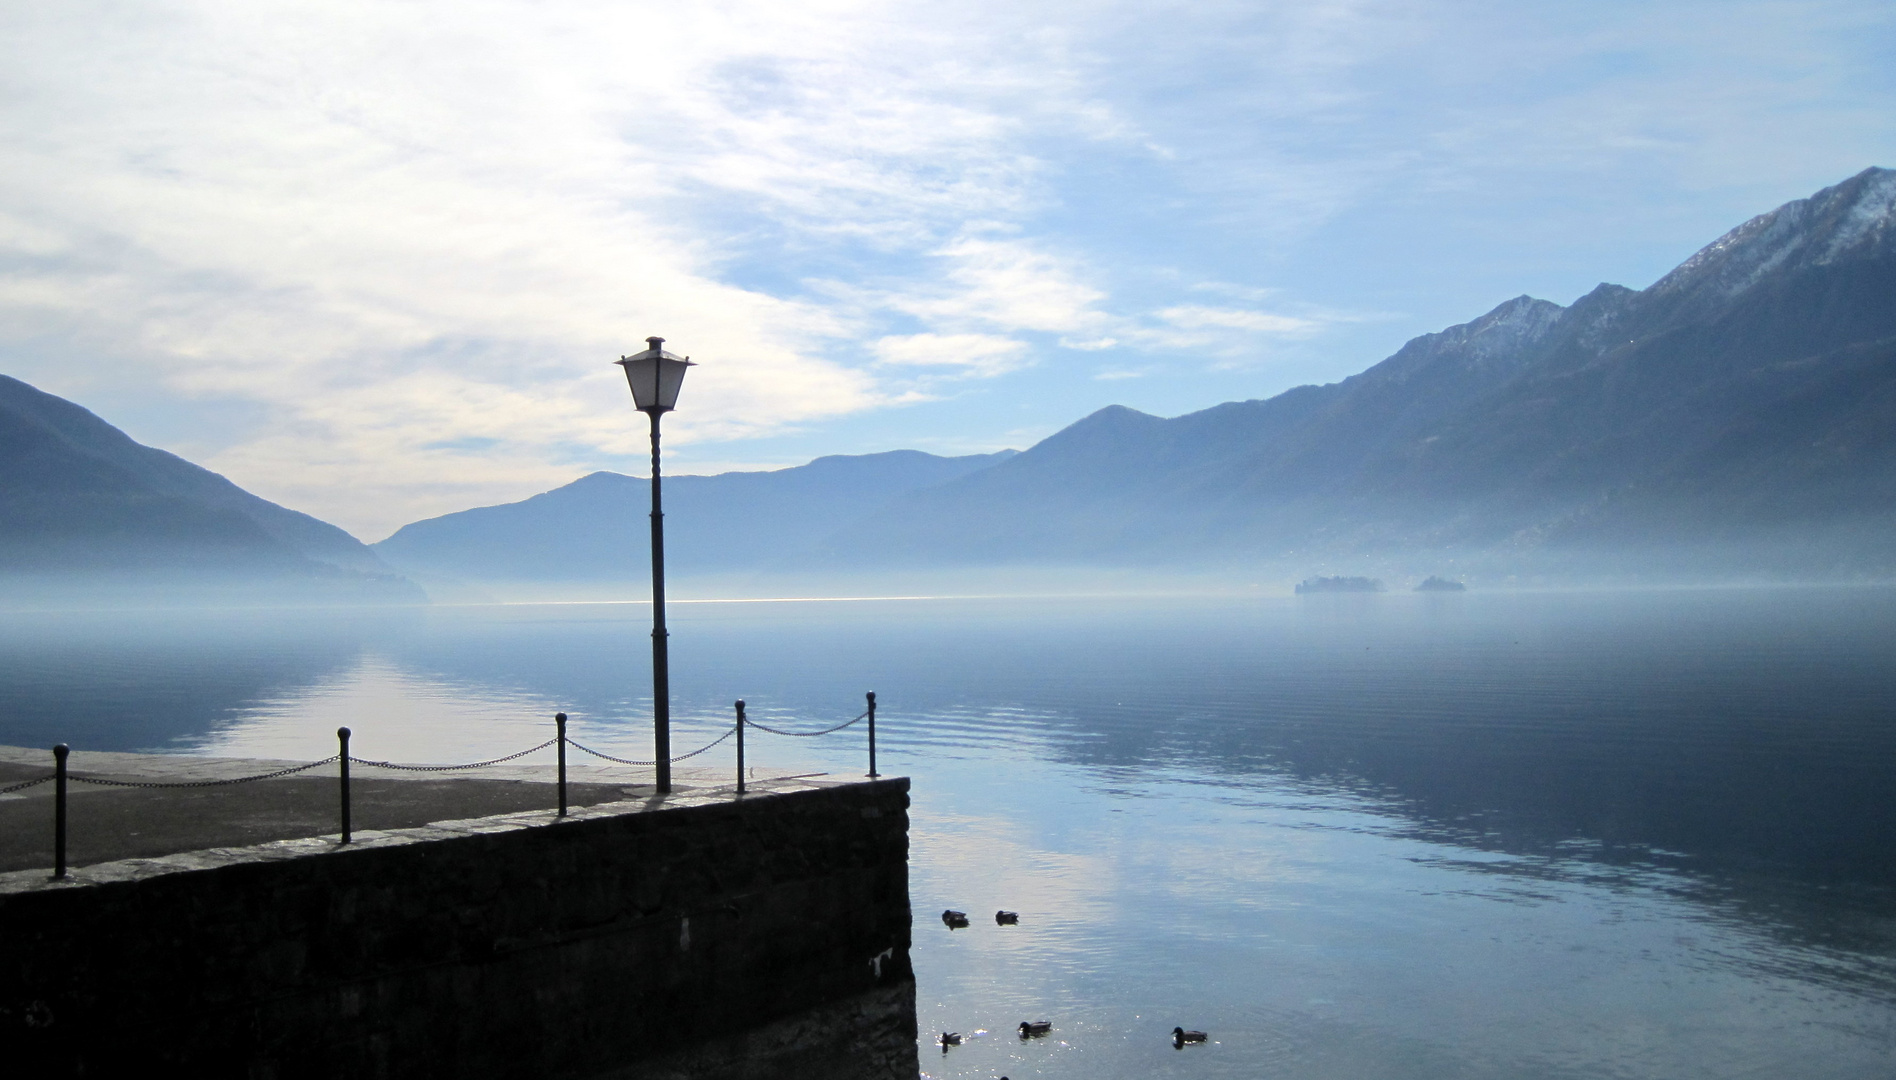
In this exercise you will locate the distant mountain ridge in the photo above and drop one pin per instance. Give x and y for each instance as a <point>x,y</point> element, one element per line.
<point>597,527</point>
<point>79,498</point>
<point>1739,412</point>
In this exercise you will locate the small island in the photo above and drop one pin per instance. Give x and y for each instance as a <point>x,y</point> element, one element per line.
<point>1339,584</point>
<point>1437,584</point>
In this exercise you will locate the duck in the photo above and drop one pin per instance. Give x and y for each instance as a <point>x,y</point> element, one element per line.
<point>1033,1029</point>
<point>1180,1036</point>
<point>948,1039</point>
<point>1007,918</point>
<point>954,919</point>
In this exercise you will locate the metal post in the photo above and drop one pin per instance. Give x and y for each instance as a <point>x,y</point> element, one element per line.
<point>872,735</point>
<point>342,734</point>
<point>560,719</point>
<point>740,746</point>
<point>661,668</point>
<point>59,810</point>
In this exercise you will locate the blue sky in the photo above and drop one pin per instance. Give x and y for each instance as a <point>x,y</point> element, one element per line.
<point>374,260</point>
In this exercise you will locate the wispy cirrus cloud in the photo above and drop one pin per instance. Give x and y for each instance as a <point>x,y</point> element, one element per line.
<point>979,355</point>
<point>1009,284</point>
<point>1200,317</point>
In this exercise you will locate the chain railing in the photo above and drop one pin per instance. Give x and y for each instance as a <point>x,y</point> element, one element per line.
<point>673,760</point>
<point>60,777</point>
<point>808,734</point>
<point>22,787</point>
<point>103,782</point>
<point>457,768</point>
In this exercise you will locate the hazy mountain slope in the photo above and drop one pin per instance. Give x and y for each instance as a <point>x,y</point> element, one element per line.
<point>1120,482</point>
<point>1766,316</point>
<point>1745,398</point>
<point>1742,393</point>
<point>77,494</point>
<point>597,527</point>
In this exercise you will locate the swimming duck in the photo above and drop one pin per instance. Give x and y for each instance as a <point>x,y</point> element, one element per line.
<point>1007,918</point>
<point>1180,1036</point>
<point>954,919</point>
<point>948,1039</point>
<point>1033,1029</point>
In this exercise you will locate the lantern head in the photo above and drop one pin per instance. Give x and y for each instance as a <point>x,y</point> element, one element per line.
<point>655,377</point>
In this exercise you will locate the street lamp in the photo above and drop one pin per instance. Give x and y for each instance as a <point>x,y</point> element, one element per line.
<point>655,376</point>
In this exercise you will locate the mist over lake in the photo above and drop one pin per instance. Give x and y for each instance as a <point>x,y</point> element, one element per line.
<point>1569,834</point>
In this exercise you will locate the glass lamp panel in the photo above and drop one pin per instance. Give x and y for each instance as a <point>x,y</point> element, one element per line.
<point>670,377</point>
<point>641,374</point>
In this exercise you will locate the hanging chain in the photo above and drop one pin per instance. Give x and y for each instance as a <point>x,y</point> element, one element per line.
<point>680,757</point>
<point>330,760</point>
<point>27,784</point>
<point>451,768</point>
<point>803,734</point>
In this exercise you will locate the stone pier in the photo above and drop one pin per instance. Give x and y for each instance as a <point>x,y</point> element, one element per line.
<point>702,934</point>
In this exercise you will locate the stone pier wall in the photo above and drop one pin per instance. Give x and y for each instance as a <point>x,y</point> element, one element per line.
<point>702,936</point>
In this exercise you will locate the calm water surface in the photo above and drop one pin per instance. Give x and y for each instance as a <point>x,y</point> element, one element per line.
<point>1480,835</point>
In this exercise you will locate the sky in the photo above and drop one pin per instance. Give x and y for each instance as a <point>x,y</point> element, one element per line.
<point>373,261</point>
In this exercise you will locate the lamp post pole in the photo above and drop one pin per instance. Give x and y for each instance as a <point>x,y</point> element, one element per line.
<point>655,377</point>
<point>661,657</point>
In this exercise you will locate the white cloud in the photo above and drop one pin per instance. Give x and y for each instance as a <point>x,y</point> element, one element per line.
<point>1198,317</point>
<point>1250,293</point>
<point>1010,285</point>
<point>402,227</point>
<point>980,355</point>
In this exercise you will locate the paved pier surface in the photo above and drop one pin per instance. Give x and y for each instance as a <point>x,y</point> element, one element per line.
<point>111,823</point>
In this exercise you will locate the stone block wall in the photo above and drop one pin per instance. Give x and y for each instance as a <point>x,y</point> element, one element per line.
<point>628,940</point>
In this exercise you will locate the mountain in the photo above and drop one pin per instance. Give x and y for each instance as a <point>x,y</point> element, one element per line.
<point>81,503</point>
<point>1738,415</point>
<point>1741,408</point>
<point>597,527</point>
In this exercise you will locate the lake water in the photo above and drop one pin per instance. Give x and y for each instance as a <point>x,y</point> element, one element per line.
<point>1480,835</point>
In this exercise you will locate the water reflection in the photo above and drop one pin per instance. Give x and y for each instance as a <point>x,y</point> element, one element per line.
<point>157,680</point>
<point>1561,835</point>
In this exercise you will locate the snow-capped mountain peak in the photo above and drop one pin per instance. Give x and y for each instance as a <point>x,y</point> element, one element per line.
<point>1852,220</point>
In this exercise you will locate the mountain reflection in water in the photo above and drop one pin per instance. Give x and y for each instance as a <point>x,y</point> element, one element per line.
<point>1558,834</point>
